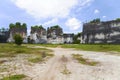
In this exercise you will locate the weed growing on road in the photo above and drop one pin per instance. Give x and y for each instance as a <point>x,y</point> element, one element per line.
<point>40,58</point>
<point>14,77</point>
<point>84,60</point>
<point>36,59</point>
<point>65,71</point>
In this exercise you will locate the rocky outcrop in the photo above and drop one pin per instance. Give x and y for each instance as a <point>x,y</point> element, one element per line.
<point>4,35</point>
<point>18,29</point>
<point>68,38</point>
<point>38,34</point>
<point>55,35</point>
<point>102,32</point>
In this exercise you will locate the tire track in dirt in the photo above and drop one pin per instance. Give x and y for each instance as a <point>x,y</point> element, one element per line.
<point>108,69</point>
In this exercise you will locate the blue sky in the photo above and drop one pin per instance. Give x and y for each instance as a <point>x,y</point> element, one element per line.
<point>69,14</point>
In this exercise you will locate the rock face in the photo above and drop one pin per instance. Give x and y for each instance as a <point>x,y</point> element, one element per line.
<point>68,38</point>
<point>18,29</point>
<point>102,32</point>
<point>4,35</point>
<point>55,35</point>
<point>38,34</point>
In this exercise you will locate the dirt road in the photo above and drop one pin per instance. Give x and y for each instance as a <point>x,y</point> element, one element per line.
<point>63,67</point>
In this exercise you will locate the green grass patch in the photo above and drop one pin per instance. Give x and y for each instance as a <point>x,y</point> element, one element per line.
<point>84,60</point>
<point>94,47</point>
<point>47,45</point>
<point>14,77</point>
<point>86,47</point>
<point>36,59</point>
<point>40,57</point>
<point>10,50</point>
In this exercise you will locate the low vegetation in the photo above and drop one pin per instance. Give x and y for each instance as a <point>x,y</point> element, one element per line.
<point>40,58</point>
<point>11,50</point>
<point>14,77</point>
<point>86,47</point>
<point>84,60</point>
<point>18,39</point>
<point>36,59</point>
<point>9,53</point>
<point>66,71</point>
<point>94,47</point>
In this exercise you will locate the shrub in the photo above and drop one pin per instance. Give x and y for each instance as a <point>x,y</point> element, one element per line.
<point>18,39</point>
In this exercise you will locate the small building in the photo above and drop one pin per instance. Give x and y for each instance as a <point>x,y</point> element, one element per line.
<point>101,32</point>
<point>38,34</point>
<point>55,35</point>
<point>68,38</point>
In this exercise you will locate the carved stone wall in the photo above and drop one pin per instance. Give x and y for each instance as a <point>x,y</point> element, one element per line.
<point>103,32</point>
<point>38,35</point>
<point>68,38</point>
<point>18,30</point>
<point>4,35</point>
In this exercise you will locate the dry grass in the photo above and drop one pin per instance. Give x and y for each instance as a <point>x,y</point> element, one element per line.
<point>84,60</point>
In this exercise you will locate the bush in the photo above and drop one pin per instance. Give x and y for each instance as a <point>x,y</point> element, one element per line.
<point>18,39</point>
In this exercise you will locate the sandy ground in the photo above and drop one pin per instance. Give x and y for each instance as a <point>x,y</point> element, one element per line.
<point>53,69</point>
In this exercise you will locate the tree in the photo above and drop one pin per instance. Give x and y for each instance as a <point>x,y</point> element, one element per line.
<point>24,25</point>
<point>11,25</point>
<point>3,29</point>
<point>95,20</point>
<point>18,24</point>
<point>118,19</point>
<point>18,39</point>
<point>75,38</point>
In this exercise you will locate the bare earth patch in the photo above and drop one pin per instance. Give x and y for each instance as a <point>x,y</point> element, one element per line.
<point>63,66</point>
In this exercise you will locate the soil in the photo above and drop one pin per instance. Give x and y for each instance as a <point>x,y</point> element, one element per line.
<point>62,66</point>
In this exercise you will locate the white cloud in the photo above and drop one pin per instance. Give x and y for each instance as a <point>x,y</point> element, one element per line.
<point>73,24</point>
<point>96,11</point>
<point>51,22</point>
<point>104,16</point>
<point>49,8</point>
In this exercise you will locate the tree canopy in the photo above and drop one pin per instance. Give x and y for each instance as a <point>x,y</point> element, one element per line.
<point>37,27</point>
<point>17,25</point>
<point>97,20</point>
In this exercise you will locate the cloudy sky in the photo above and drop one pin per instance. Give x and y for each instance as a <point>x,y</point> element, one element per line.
<point>69,14</point>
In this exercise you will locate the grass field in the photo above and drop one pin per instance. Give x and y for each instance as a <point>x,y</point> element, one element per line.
<point>94,47</point>
<point>10,50</point>
<point>14,49</point>
<point>87,47</point>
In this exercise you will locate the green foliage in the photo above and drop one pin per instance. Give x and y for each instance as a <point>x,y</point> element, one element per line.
<point>24,25</point>
<point>14,77</point>
<point>18,39</point>
<point>75,38</point>
<point>17,25</point>
<point>95,20</point>
<point>118,19</point>
<point>11,25</point>
<point>56,26</point>
<point>37,27</point>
